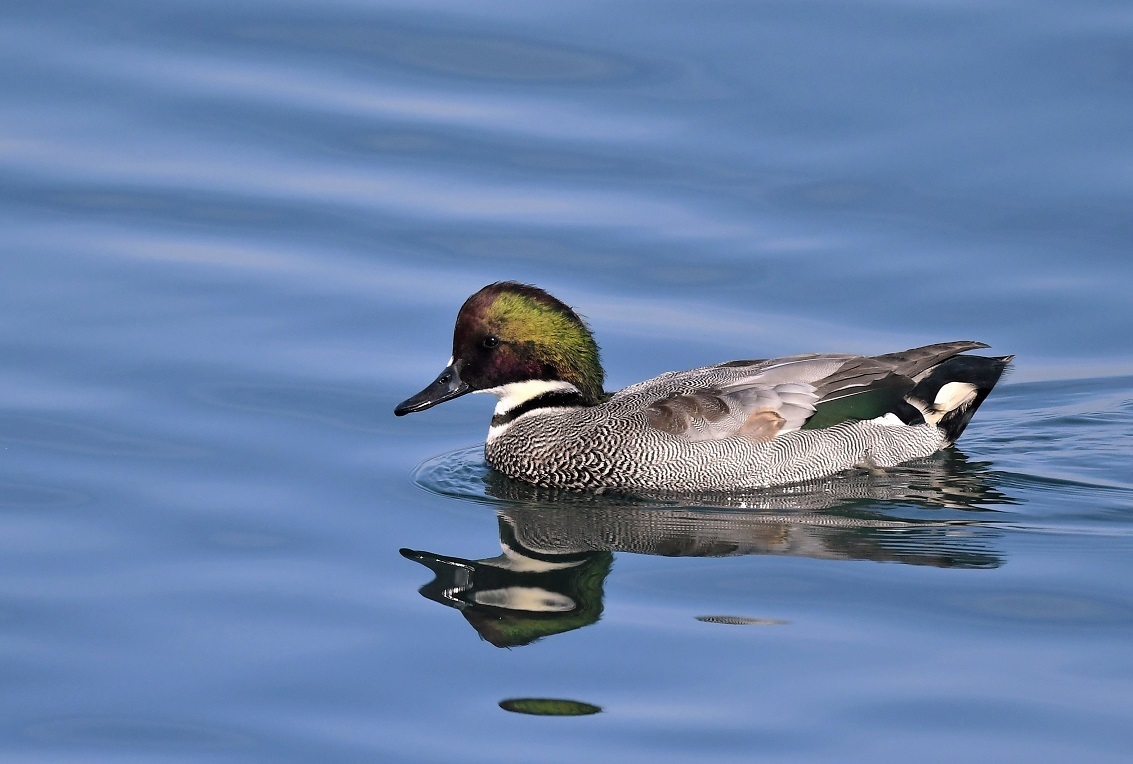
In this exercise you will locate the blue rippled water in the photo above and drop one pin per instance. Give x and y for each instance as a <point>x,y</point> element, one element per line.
<point>235,235</point>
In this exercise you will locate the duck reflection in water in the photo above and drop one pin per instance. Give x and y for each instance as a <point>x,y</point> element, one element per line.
<point>558,545</point>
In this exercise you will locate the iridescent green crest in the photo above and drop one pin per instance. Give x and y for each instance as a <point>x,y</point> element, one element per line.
<point>541,329</point>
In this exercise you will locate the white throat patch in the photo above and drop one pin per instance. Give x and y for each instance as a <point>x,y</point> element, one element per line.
<point>517,393</point>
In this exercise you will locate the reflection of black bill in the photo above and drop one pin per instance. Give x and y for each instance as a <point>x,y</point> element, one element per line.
<point>445,387</point>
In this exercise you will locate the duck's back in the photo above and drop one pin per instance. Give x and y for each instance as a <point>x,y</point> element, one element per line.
<point>748,424</point>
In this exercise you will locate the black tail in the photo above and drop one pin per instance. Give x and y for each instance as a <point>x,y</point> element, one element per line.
<point>950,393</point>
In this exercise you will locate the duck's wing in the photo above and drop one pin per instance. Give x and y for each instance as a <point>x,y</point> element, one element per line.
<point>754,399</point>
<point>916,362</point>
<point>869,387</point>
<point>760,400</point>
<point>758,411</point>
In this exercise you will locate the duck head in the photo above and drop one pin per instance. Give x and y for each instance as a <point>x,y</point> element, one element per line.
<point>517,342</point>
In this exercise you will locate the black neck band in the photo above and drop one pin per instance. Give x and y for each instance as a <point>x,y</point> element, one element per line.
<point>552,399</point>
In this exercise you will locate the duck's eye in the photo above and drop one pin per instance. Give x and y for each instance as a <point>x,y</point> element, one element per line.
<point>491,341</point>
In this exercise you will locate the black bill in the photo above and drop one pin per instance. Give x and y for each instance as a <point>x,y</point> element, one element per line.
<point>446,387</point>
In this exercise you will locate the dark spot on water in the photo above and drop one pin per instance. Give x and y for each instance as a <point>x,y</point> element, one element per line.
<point>549,707</point>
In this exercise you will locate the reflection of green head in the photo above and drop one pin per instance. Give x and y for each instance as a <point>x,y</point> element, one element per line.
<point>539,338</point>
<point>583,584</point>
<point>507,607</point>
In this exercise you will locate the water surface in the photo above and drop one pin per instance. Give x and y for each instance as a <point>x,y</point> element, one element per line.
<point>236,236</point>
